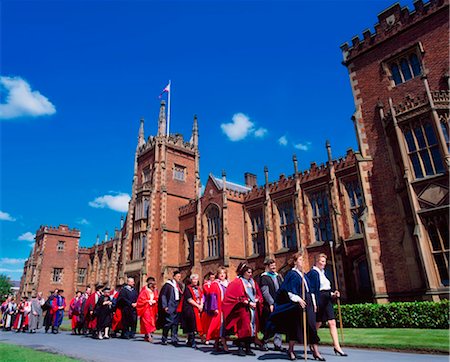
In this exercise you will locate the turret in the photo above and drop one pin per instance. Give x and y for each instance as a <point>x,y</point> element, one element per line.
<point>194,138</point>
<point>162,119</point>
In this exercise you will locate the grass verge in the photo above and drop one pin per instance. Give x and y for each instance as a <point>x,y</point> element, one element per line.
<point>13,353</point>
<point>409,339</point>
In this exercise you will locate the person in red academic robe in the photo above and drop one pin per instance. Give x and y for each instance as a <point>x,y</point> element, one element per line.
<point>117,316</point>
<point>212,311</point>
<point>74,312</point>
<point>57,311</point>
<point>242,307</point>
<point>207,281</point>
<point>21,321</point>
<point>147,308</point>
<point>191,310</point>
<point>91,302</point>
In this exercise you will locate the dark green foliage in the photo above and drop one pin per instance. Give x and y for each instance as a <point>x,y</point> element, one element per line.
<point>5,286</point>
<point>432,315</point>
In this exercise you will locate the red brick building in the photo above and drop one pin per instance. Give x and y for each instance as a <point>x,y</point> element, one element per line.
<point>399,78</point>
<point>385,206</point>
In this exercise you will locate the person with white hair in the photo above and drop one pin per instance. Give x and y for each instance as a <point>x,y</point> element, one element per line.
<point>127,302</point>
<point>191,310</point>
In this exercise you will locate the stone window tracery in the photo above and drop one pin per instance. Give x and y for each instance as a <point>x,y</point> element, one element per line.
<point>355,202</point>
<point>320,216</point>
<point>405,67</point>
<point>287,224</point>
<point>214,231</point>
<point>257,231</point>
<point>423,149</point>
<point>438,235</point>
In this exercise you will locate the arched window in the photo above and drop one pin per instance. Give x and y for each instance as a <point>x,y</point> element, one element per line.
<point>415,64</point>
<point>257,231</point>
<point>423,149</point>
<point>287,224</point>
<point>320,216</point>
<point>405,69</point>
<point>214,231</point>
<point>396,74</point>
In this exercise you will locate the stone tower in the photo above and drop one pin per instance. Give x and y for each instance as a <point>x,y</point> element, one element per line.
<point>166,176</point>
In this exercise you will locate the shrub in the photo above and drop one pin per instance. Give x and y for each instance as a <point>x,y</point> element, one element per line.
<point>432,315</point>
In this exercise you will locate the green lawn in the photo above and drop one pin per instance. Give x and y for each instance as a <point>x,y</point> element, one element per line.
<point>11,352</point>
<point>432,340</point>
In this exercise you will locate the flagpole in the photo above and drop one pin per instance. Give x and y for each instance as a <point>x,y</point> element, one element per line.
<point>168,107</point>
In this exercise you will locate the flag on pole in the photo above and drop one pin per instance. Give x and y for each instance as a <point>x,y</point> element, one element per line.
<point>166,89</point>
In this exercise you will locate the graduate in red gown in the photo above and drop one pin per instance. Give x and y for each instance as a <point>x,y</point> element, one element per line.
<point>21,321</point>
<point>206,288</point>
<point>91,302</point>
<point>57,311</point>
<point>147,308</point>
<point>242,308</point>
<point>117,317</point>
<point>213,315</point>
<point>192,307</point>
<point>74,312</point>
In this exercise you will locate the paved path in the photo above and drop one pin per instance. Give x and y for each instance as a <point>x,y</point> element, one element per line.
<point>115,350</point>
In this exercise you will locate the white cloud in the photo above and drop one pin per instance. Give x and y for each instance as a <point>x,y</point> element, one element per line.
<point>283,141</point>
<point>260,132</point>
<point>83,221</point>
<point>28,236</point>
<point>6,217</point>
<point>303,146</point>
<point>7,270</point>
<point>239,128</point>
<point>11,261</point>
<point>117,202</point>
<point>22,101</point>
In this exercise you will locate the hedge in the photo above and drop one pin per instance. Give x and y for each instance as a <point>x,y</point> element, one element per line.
<point>431,315</point>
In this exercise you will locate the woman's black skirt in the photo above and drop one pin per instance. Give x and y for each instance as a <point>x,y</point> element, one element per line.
<point>325,310</point>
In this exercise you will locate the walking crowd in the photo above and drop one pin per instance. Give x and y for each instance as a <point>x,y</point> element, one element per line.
<point>215,312</point>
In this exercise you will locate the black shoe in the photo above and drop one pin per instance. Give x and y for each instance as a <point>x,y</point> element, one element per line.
<point>163,342</point>
<point>342,354</point>
<point>249,352</point>
<point>292,356</point>
<point>279,349</point>
<point>318,357</point>
<point>241,352</point>
<point>264,347</point>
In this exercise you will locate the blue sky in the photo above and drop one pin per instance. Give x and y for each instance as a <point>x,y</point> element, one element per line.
<point>264,78</point>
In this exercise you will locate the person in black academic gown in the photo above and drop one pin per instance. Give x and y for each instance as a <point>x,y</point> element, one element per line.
<point>126,302</point>
<point>103,311</point>
<point>292,300</point>
<point>270,282</point>
<point>168,303</point>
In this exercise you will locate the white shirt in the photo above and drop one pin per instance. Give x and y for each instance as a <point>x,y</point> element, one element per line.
<point>173,283</point>
<point>325,284</point>
<point>296,298</point>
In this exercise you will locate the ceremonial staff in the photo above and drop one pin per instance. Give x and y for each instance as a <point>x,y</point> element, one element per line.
<point>305,334</point>
<point>336,288</point>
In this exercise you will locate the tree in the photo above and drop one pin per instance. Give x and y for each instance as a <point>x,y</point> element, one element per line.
<point>5,285</point>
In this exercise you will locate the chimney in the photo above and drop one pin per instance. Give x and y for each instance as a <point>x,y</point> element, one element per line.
<point>250,179</point>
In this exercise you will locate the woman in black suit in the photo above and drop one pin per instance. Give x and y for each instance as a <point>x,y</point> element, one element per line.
<point>321,289</point>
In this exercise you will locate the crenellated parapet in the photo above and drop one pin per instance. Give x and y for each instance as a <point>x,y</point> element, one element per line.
<point>58,230</point>
<point>391,21</point>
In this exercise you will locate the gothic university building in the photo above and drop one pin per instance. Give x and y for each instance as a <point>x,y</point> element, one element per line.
<point>385,206</point>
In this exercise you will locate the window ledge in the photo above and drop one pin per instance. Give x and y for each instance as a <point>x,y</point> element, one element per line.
<point>210,258</point>
<point>427,178</point>
<point>354,237</point>
<point>316,244</point>
<point>284,250</point>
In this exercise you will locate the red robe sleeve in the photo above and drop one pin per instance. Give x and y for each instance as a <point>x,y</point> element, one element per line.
<point>233,302</point>
<point>142,301</point>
